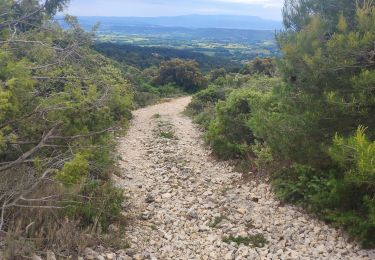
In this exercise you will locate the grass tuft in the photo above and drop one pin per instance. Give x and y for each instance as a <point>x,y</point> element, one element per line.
<point>257,240</point>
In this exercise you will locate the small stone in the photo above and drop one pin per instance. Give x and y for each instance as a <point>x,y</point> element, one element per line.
<point>100,257</point>
<point>192,214</point>
<point>321,249</point>
<point>253,254</point>
<point>90,254</point>
<point>166,196</point>
<point>36,257</point>
<point>130,252</point>
<point>149,198</point>
<point>146,216</point>
<point>242,211</point>
<point>203,228</point>
<point>229,256</point>
<point>168,236</point>
<point>51,255</point>
<point>110,256</point>
<point>113,228</point>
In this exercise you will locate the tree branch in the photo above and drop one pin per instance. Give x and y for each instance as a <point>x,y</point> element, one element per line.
<point>30,152</point>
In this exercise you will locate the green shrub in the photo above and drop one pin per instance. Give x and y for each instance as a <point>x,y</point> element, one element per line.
<point>263,155</point>
<point>183,73</point>
<point>99,206</point>
<point>300,183</point>
<point>206,98</point>
<point>229,133</point>
<point>75,171</point>
<point>169,90</point>
<point>266,66</point>
<point>356,189</point>
<point>342,194</point>
<point>205,117</point>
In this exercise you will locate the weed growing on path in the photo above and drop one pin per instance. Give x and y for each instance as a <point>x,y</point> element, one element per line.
<point>257,240</point>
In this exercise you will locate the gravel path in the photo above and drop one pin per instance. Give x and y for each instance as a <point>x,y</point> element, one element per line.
<point>185,203</point>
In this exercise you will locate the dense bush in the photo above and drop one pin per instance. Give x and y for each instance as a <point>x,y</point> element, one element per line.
<point>102,206</point>
<point>342,195</point>
<point>183,73</point>
<point>266,66</point>
<point>60,105</point>
<point>225,108</point>
<point>228,133</point>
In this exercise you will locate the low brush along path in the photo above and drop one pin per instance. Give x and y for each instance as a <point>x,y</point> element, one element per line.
<point>184,203</point>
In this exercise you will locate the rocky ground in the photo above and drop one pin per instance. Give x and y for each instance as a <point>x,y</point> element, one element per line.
<point>186,205</point>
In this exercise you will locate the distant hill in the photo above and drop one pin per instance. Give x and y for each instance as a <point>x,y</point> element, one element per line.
<point>187,21</point>
<point>180,33</point>
<point>236,29</point>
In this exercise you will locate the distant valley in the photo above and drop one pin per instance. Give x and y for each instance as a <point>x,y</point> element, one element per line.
<point>213,40</point>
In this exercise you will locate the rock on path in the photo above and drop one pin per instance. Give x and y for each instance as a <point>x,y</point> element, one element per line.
<point>184,203</point>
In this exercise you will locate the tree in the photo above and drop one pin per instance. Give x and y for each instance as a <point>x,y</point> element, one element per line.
<point>265,66</point>
<point>25,15</point>
<point>297,14</point>
<point>328,81</point>
<point>185,74</point>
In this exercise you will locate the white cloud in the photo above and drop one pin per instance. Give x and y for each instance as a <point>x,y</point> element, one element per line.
<point>265,3</point>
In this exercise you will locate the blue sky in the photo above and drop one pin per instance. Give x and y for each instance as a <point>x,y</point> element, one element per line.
<point>268,9</point>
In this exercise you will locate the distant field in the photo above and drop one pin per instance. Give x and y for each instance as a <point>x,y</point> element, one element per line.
<point>235,50</point>
<point>170,37</point>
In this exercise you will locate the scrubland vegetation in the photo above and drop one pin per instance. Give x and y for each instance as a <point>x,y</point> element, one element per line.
<point>61,105</point>
<point>308,118</point>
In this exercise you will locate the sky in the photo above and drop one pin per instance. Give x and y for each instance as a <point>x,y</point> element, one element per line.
<point>268,9</point>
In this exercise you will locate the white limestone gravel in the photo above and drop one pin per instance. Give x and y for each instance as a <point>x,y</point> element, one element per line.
<point>176,190</point>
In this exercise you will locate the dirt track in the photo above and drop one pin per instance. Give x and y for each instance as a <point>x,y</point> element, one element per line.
<point>185,203</point>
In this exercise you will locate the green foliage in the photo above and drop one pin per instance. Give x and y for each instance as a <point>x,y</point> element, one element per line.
<point>169,90</point>
<point>102,207</point>
<point>328,73</point>
<point>167,134</point>
<point>156,116</point>
<point>343,196</point>
<point>60,103</point>
<point>355,190</point>
<point>216,221</point>
<point>356,155</point>
<point>225,108</point>
<point>263,155</point>
<point>228,133</point>
<point>300,183</point>
<point>183,73</point>
<point>297,13</point>
<point>265,66</point>
<point>207,97</point>
<point>257,240</point>
<point>145,51</point>
<point>75,171</point>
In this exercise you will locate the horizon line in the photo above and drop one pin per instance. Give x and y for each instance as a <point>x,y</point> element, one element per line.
<point>124,16</point>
